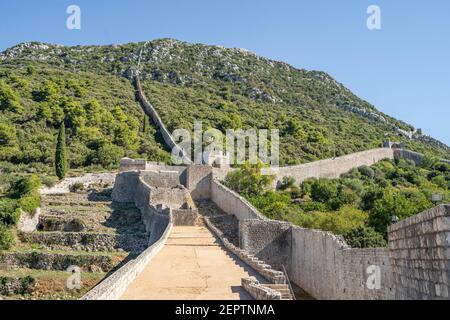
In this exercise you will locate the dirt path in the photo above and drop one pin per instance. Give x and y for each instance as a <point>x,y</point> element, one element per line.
<point>192,265</point>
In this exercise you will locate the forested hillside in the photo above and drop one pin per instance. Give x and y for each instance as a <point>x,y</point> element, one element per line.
<point>225,88</point>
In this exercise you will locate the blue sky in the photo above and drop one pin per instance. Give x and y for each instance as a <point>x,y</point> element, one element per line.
<point>403,69</point>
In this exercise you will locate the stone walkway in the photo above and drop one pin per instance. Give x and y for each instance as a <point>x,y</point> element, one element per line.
<point>192,265</point>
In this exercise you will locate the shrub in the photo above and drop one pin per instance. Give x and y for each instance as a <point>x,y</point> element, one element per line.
<point>287,183</point>
<point>248,180</point>
<point>26,185</point>
<point>364,237</point>
<point>272,204</point>
<point>366,171</point>
<point>9,100</point>
<point>313,206</point>
<point>6,238</point>
<point>306,186</point>
<point>30,202</point>
<point>76,187</point>
<point>340,222</point>
<point>9,212</point>
<point>323,190</point>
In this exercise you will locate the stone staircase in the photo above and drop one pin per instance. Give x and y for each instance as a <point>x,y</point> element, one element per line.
<point>226,227</point>
<point>83,229</point>
<point>281,288</point>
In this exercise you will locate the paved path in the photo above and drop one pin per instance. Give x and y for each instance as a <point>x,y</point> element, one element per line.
<point>192,265</point>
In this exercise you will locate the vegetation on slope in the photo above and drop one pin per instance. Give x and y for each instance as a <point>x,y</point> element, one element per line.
<point>231,88</point>
<point>360,205</point>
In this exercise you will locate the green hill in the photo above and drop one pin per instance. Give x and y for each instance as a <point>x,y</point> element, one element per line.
<point>89,87</point>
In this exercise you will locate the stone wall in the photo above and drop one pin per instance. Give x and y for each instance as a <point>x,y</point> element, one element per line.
<point>333,168</point>
<point>185,217</point>
<point>269,240</point>
<point>88,240</point>
<point>27,222</point>
<point>420,255</point>
<point>105,179</point>
<point>158,223</point>
<point>232,203</point>
<point>198,181</point>
<point>153,114</point>
<point>125,186</point>
<point>323,265</point>
<point>161,178</point>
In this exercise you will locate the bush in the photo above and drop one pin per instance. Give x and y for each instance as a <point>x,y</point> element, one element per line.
<point>76,187</point>
<point>340,222</point>
<point>364,237</point>
<point>287,183</point>
<point>323,190</point>
<point>248,180</point>
<point>6,238</point>
<point>30,202</point>
<point>307,186</point>
<point>272,204</point>
<point>366,171</point>
<point>9,212</point>
<point>26,185</point>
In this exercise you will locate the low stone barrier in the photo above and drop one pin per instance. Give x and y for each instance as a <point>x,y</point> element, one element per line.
<point>87,180</point>
<point>88,241</point>
<point>57,261</point>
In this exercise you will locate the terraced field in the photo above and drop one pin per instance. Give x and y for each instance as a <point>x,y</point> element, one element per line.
<point>85,230</point>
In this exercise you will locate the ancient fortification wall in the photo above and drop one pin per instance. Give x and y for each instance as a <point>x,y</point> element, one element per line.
<point>232,203</point>
<point>333,168</point>
<point>153,114</point>
<point>420,255</point>
<point>415,265</point>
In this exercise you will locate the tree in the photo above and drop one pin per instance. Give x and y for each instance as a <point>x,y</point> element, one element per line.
<point>144,123</point>
<point>248,180</point>
<point>9,100</point>
<point>61,153</point>
<point>364,237</point>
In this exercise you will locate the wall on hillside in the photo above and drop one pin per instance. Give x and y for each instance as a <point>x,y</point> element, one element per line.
<point>333,168</point>
<point>420,255</point>
<point>153,114</point>
<point>232,203</point>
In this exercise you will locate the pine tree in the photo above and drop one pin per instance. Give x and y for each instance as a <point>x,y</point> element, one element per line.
<point>61,153</point>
